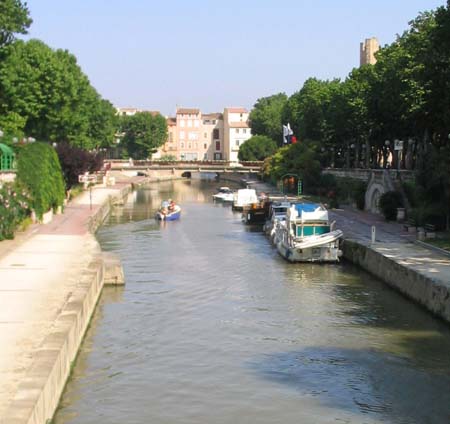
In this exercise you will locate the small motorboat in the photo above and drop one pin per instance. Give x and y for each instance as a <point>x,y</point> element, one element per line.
<point>224,194</point>
<point>168,211</point>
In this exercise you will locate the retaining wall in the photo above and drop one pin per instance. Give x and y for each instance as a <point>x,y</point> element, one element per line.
<point>431,293</point>
<point>39,393</point>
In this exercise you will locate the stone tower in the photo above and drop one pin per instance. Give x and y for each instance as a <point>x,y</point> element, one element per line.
<point>367,51</point>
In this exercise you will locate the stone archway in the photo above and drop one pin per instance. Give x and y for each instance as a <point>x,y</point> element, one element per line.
<point>372,198</point>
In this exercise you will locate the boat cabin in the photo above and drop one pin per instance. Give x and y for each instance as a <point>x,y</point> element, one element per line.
<point>308,219</point>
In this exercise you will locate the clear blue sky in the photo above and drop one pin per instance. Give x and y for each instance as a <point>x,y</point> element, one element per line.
<point>212,54</point>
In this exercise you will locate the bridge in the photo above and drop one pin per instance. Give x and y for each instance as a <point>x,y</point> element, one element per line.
<point>157,169</point>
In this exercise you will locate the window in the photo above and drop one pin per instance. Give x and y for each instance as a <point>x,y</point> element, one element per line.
<point>196,123</point>
<point>182,145</point>
<point>237,130</point>
<point>206,121</point>
<point>193,135</point>
<point>245,130</point>
<point>196,145</point>
<point>182,135</point>
<point>205,135</point>
<point>205,156</point>
<point>189,145</point>
<point>237,143</point>
<point>216,134</point>
<point>181,122</point>
<point>217,145</point>
<point>189,123</point>
<point>214,122</point>
<point>205,146</point>
<point>170,137</point>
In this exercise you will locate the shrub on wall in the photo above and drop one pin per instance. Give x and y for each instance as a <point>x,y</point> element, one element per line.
<point>38,169</point>
<point>389,202</point>
<point>14,208</point>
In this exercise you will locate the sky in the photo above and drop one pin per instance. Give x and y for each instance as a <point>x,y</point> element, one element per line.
<point>158,55</point>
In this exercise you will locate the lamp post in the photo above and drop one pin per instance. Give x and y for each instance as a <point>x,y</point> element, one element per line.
<point>386,143</point>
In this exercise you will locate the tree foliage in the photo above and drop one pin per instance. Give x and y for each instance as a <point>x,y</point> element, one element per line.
<point>75,161</point>
<point>44,94</point>
<point>14,19</point>
<point>266,117</point>
<point>257,148</point>
<point>40,172</point>
<point>143,133</point>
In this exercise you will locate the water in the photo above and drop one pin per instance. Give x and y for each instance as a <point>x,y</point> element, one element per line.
<point>214,327</point>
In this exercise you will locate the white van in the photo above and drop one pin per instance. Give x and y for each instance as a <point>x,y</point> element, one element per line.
<point>244,197</point>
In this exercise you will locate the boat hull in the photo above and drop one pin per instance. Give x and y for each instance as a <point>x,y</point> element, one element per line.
<point>173,216</point>
<point>315,249</point>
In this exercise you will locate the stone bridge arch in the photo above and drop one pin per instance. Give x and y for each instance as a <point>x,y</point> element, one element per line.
<point>379,183</point>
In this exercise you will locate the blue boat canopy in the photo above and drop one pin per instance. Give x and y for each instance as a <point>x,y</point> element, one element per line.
<point>306,207</point>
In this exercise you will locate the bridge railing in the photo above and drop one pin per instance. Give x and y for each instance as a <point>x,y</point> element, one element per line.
<point>123,163</point>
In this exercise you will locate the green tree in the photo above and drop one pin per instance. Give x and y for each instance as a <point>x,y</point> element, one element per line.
<point>14,19</point>
<point>300,159</point>
<point>143,133</point>
<point>45,94</point>
<point>266,117</point>
<point>257,147</point>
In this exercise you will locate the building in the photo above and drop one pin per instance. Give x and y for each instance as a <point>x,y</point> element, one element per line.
<point>210,136</point>
<point>367,51</point>
<point>236,131</point>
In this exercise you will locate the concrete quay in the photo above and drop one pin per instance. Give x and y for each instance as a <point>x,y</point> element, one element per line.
<point>420,273</point>
<point>50,281</point>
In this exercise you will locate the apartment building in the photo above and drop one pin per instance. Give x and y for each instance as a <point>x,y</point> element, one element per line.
<point>210,136</point>
<point>212,131</point>
<point>236,131</point>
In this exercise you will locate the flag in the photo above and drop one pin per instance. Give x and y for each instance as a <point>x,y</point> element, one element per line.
<point>287,134</point>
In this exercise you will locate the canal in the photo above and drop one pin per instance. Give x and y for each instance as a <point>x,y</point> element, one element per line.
<point>214,327</point>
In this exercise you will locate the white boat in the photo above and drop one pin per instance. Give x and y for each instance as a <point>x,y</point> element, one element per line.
<point>224,194</point>
<point>277,212</point>
<point>244,197</point>
<point>307,235</point>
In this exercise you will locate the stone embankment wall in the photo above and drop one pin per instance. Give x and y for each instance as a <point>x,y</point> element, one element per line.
<point>431,293</point>
<point>39,393</point>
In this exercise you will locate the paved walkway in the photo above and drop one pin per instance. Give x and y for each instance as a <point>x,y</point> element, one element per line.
<point>39,271</point>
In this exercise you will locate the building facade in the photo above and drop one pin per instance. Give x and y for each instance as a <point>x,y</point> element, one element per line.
<point>236,131</point>
<point>367,51</point>
<point>211,136</point>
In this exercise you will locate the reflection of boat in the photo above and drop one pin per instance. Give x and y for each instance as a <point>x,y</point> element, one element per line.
<point>306,236</point>
<point>168,211</point>
<point>244,197</point>
<point>225,194</point>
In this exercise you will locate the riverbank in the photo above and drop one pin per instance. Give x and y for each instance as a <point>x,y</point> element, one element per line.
<point>418,272</point>
<point>51,278</point>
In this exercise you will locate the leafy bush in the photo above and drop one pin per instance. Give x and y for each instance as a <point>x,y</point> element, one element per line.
<point>75,161</point>
<point>14,208</point>
<point>389,202</point>
<point>40,172</point>
<point>257,148</point>
<point>168,158</point>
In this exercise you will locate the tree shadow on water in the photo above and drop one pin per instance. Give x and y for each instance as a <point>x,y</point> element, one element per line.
<point>374,384</point>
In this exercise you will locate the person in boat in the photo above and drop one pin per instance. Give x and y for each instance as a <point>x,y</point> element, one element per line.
<point>171,205</point>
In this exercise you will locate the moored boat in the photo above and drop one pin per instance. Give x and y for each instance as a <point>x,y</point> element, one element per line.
<point>224,194</point>
<point>307,235</point>
<point>244,197</point>
<point>277,212</point>
<point>168,211</point>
